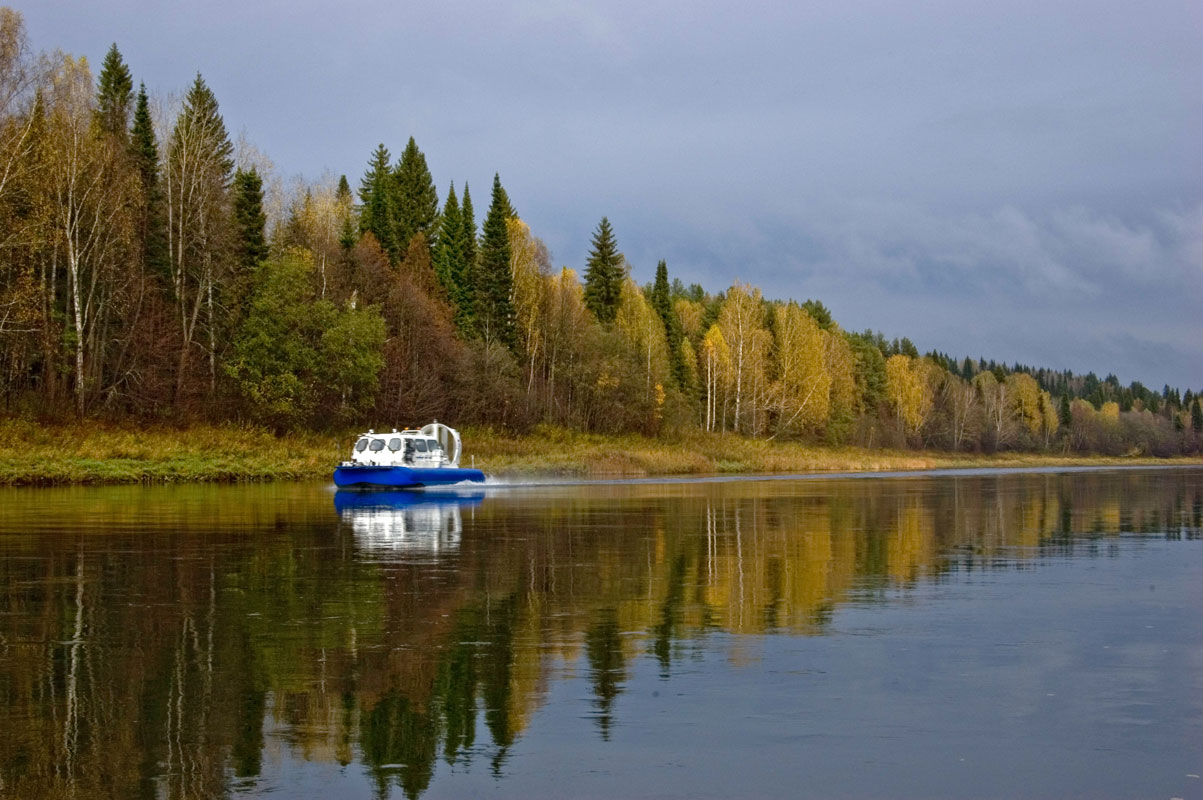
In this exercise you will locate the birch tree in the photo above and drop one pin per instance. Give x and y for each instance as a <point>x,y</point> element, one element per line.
<point>644,332</point>
<point>994,396</point>
<point>716,357</point>
<point>90,195</point>
<point>802,391</point>
<point>907,389</point>
<point>741,322</point>
<point>959,400</point>
<point>1024,398</point>
<point>568,320</point>
<point>528,265</point>
<point>840,362</point>
<point>196,181</point>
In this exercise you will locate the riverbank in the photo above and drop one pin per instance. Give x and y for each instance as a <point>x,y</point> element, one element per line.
<point>39,455</point>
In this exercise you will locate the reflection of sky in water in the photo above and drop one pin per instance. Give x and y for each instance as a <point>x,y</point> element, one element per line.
<point>404,523</point>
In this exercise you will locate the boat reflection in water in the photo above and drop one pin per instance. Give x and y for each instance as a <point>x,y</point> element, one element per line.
<point>405,522</point>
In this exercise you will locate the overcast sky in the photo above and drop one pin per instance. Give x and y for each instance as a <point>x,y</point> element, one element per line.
<point>1019,180</point>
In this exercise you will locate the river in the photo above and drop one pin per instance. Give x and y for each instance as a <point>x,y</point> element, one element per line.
<point>1034,634</point>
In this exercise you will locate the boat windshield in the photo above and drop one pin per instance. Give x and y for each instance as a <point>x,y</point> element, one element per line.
<point>420,445</point>
<point>433,445</point>
<point>361,445</point>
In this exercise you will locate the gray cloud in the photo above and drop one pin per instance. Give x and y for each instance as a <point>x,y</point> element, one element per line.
<point>1018,180</point>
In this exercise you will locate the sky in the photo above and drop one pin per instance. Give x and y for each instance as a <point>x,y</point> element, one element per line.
<point>1021,181</point>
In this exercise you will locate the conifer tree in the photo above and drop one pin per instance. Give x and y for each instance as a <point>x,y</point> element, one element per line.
<point>465,277</point>
<point>250,223</point>
<point>200,162</point>
<point>604,274</point>
<point>249,241</point>
<point>114,94</point>
<point>417,201</point>
<point>494,281</point>
<point>447,251</point>
<point>1196,416</point>
<point>468,234</point>
<point>151,221</point>
<point>663,305</point>
<point>1063,413</point>
<point>346,236</point>
<point>379,209</point>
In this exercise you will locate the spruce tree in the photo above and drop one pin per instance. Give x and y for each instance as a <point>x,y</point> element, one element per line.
<point>250,223</point>
<point>151,220</point>
<point>494,281</point>
<point>465,278</point>
<point>469,234</point>
<point>447,251</point>
<point>604,274</point>
<point>1196,416</point>
<point>378,213</point>
<point>114,94</point>
<point>662,302</point>
<point>346,235</point>
<point>249,242</point>
<point>1063,412</point>
<point>200,163</point>
<point>417,201</point>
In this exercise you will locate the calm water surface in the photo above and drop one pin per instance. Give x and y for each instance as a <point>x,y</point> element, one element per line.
<point>1019,635</point>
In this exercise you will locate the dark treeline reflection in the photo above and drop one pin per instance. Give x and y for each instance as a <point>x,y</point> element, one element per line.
<point>179,642</point>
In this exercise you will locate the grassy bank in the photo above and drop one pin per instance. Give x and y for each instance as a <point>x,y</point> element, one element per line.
<point>562,452</point>
<point>33,454</point>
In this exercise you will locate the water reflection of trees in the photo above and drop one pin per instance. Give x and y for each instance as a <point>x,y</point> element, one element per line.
<point>171,660</point>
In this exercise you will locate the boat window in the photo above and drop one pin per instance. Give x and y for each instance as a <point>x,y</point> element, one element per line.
<point>433,445</point>
<point>420,444</point>
<point>394,443</point>
<point>377,445</point>
<point>361,445</point>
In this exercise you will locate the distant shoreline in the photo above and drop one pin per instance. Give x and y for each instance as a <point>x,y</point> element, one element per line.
<point>33,454</point>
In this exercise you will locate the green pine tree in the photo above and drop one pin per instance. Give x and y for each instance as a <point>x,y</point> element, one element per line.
<point>250,223</point>
<point>465,278</point>
<point>447,252</point>
<point>468,235</point>
<point>662,301</point>
<point>1196,416</point>
<point>378,213</point>
<point>417,201</point>
<point>114,95</point>
<point>250,241</point>
<point>1063,413</point>
<point>604,274</point>
<point>346,236</point>
<point>200,163</point>
<point>151,219</point>
<point>494,281</point>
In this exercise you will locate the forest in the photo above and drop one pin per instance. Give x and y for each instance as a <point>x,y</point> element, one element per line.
<point>154,269</point>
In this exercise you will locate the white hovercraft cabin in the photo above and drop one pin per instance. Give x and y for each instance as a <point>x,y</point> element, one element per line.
<point>436,445</point>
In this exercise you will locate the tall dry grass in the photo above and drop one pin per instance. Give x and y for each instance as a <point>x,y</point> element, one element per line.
<point>93,452</point>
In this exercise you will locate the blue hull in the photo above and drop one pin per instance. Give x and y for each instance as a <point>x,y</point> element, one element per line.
<point>367,477</point>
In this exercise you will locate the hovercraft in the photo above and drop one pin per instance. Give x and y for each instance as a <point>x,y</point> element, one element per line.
<point>406,459</point>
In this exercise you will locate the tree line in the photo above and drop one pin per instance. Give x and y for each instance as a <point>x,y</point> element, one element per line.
<point>146,272</point>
